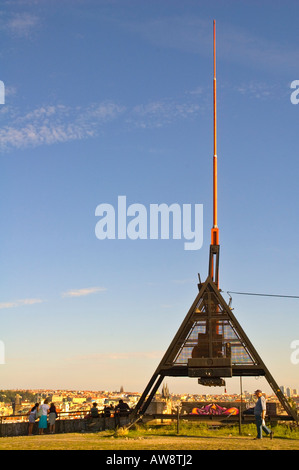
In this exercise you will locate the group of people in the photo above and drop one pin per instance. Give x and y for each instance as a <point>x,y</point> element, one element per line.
<point>122,409</point>
<point>47,414</point>
<point>44,413</point>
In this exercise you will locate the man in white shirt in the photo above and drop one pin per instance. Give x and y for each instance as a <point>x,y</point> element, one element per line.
<point>43,420</point>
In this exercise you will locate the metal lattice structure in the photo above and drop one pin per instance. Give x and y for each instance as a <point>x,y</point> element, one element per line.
<point>212,325</point>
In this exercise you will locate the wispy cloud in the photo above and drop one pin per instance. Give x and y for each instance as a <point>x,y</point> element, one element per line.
<point>258,90</point>
<point>183,281</point>
<point>19,24</point>
<point>83,292</point>
<point>52,124</point>
<point>117,356</point>
<point>47,125</point>
<point>10,91</point>
<point>20,303</point>
<point>163,112</point>
<point>70,293</point>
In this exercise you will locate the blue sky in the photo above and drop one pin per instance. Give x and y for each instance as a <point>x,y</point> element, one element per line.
<point>111,98</point>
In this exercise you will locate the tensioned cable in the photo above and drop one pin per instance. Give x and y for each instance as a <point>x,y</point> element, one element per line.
<point>264,295</point>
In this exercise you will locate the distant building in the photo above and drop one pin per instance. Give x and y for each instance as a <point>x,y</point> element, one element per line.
<point>165,392</point>
<point>57,398</point>
<point>17,404</point>
<point>79,400</point>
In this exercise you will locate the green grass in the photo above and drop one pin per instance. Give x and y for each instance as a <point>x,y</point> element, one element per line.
<point>190,429</point>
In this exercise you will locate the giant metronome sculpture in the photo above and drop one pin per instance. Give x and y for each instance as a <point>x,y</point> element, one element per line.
<point>210,344</point>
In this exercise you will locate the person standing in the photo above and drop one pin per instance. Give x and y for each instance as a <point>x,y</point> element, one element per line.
<point>260,414</point>
<point>43,420</point>
<point>94,412</point>
<point>32,418</point>
<point>52,418</point>
<point>122,408</point>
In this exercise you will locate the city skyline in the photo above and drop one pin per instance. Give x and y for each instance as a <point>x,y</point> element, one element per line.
<point>110,99</point>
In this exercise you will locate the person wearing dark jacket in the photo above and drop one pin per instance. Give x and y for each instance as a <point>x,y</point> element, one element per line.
<point>94,412</point>
<point>122,408</point>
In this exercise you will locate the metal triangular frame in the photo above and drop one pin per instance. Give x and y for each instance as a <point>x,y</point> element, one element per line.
<point>210,344</point>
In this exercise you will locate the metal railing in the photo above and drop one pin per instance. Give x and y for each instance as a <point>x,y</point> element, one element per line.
<point>77,414</point>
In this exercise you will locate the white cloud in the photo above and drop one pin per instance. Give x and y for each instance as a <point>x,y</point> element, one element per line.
<point>20,303</point>
<point>51,124</point>
<point>117,356</point>
<point>160,113</point>
<point>21,24</point>
<point>103,111</point>
<point>259,90</point>
<point>84,291</point>
<point>36,135</point>
<point>70,293</point>
<point>197,91</point>
<point>183,281</point>
<point>10,91</point>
